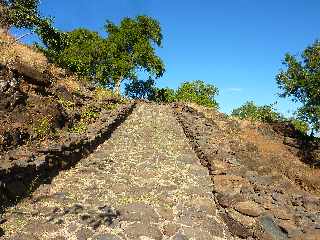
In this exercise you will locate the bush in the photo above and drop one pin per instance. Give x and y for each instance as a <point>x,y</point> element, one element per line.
<point>102,93</point>
<point>198,92</point>
<point>300,125</point>
<point>90,114</point>
<point>42,127</point>
<point>268,114</point>
<point>165,95</point>
<point>87,116</point>
<point>139,89</point>
<point>251,111</point>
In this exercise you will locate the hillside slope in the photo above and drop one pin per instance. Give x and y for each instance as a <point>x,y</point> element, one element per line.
<point>151,179</point>
<point>262,187</point>
<point>78,163</point>
<point>49,118</point>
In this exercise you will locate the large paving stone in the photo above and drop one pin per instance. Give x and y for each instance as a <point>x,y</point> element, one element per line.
<point>229,184</point>
<point>138,212</point>
<point>106,236</point>
<point>138,230</point>
<point>249,208</point>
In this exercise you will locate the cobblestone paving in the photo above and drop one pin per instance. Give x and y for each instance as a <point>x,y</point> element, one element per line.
<point>144,183</point>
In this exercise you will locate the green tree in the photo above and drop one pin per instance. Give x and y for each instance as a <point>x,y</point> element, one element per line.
<point>268,114</point>
<point>140,89</point>
<point>54,41</point>
<point>251,111</point>
<point>301,81</point>
<point>198,92</point>
<point>130,47</point>
<point>127,49</point>
<point>19,13</point>
<point>79,50</point>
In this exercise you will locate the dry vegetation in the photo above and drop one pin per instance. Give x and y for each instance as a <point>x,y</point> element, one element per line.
<point>264,150</point>
<point>40,100</point>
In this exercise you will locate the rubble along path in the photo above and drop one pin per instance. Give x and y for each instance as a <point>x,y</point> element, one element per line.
<point>144,183</point>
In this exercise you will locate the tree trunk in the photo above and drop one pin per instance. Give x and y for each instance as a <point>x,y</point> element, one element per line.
<point>117,88</point>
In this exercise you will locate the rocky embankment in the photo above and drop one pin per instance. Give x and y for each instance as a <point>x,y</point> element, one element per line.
<point>254,203</point>
<point>23,169</point>
<point>49,119</point>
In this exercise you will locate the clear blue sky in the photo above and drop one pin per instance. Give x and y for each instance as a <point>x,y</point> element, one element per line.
<point>237,45</point>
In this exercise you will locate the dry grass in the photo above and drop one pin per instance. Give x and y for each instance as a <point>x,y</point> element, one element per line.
<point>31,62</point>
<point>272,155</point>
<point>13,53</point>
<point>275,155</point>
<point>71,83</point>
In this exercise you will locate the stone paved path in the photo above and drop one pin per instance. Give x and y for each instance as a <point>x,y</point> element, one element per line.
<point>145,182</point>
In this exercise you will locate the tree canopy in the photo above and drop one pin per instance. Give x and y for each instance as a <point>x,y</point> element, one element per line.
<point>251,111</point>
<point>130,47</point>
<point>79,50</point>
<point>127,49</point>
<point>301,81</point>
<point>19,13</point>
<point>198,92</point>
<point>139,89</point>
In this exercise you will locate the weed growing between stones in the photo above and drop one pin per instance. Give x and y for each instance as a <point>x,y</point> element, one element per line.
<point>42,127</point>
<point>103,94</point>
<point>66,104</point>
<point>80,127</point>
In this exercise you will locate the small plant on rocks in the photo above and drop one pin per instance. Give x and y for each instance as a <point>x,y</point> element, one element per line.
<point>66,104</point>
<point>87,117</point>
<point>42,127</point>
<point>80,127</point>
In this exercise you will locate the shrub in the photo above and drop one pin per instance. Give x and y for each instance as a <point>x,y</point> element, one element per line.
<point>87,116</point>
<point>66,103</point>
<point>165,95</point>
<point>42,127</point>
<point>90,114</point>
<point>139,89</point>
<point>102,93</point>
<point>198,92</point>
<point>300,125</point>
<point>251,111</point>
<point>80,127</point>
<point>267,114</point>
